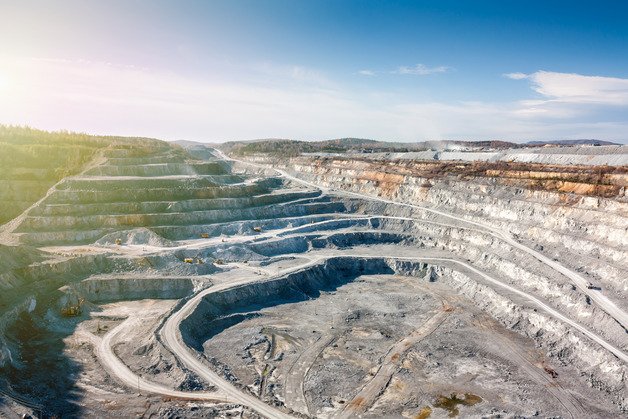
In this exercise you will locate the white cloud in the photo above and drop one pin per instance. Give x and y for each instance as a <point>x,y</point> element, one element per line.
<point>308,75</point>
<point>421,70</point>
<point>576,88</point>
<point>516,76</point>
<point>569,96</point>
<point>418,70</point>
<point>294,73</point>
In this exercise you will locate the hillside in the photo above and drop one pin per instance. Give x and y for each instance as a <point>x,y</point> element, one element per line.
<point>31,161</point>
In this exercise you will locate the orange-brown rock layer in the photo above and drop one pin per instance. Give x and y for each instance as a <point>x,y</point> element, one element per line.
<point>602,181</point>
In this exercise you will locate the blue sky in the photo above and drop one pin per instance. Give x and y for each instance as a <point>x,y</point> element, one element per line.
<point>392,70</point>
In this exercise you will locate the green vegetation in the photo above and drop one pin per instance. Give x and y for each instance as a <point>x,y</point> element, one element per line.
<point>292,148</point>
<point>31,161</point>
<point>287,148</point>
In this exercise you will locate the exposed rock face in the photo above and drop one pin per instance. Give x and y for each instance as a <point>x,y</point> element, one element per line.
<point>99,289</point>
<point>586,216</point>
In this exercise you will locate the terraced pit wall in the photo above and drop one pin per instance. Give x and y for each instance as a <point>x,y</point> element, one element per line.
<point>32,161</point>
<point>580,211</point>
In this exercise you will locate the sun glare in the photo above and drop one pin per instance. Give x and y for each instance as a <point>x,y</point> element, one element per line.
<point>4,82</point>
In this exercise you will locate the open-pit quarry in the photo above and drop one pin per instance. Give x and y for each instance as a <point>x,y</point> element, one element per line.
<point>185,281</point>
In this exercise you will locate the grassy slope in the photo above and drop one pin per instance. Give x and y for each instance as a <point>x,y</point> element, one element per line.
<point>31,161</point>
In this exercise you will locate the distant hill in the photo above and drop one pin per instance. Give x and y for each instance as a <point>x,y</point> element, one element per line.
<point>354,141</point>
<point>571,142</point>
<point>290,148</point>
<point>281,147</point>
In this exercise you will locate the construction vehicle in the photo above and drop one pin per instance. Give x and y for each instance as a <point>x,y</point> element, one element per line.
<point>72,310</point>
<point>204,236</point>
<point>119,242</point>
<point>257,229</point>
<point>196,260</point>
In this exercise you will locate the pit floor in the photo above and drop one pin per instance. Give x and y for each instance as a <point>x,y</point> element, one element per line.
<point>394,346</point>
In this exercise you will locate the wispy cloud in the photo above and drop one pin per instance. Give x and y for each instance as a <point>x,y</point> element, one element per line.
<point>516,76</point>
<point>417,70</point>
<point>308,75</point>
<point>293,73</point>
<point>421,70</point>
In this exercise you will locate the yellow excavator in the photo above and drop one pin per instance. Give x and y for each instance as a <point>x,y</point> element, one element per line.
<point>71,310</point>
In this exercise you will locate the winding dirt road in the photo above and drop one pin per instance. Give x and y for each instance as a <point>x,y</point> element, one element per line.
<point>293,384</point>
<point>117,368</point>
<point>171,336</point>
